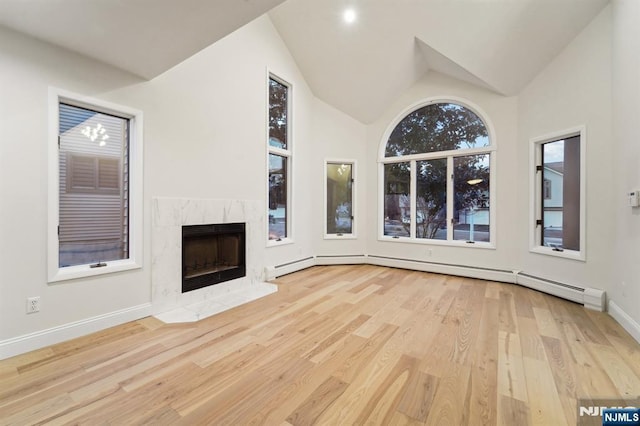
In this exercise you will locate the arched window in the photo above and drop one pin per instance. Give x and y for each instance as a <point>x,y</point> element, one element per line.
<point>436,167</point>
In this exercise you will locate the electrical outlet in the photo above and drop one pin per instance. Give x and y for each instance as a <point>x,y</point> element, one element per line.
<point>429,252</point>
<point>33,304</point>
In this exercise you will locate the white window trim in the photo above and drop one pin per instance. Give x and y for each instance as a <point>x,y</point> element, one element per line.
<point>354,176</point>
<point>288,153</point>
<point>382,160</point>
<point>535,194</point>
<point>135,260</point>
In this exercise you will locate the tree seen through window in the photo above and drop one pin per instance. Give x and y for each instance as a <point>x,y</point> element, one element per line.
<point>437,136</point>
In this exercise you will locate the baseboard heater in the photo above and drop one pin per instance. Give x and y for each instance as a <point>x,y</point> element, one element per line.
<point>273,272</point>
<point>342,259</point>
<point>591,298</point>
<point>491,274</point>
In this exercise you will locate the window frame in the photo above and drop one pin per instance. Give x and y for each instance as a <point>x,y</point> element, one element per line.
<point>55,273</point>
<point>536,194</point>
<point>353,234</point>
<point>286,153</point>
<point>449,155</point>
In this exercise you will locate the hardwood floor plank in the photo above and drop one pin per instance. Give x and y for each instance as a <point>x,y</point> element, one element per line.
<point>547,325</point>
<point>418,396</point>
<point>524,308</point>
<point>530,339</point>
<point>513,412</point>
<point>544,403</point>
<point>382,404</point>
<point>564,375</point>
<point>624,378</point>
<point>308,412</point>
<point>507,312</point>
<point>511,371</point>
<point>451,402</point>
<point>336,336</point>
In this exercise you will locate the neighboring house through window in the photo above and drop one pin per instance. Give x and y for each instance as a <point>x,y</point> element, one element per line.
<point>95,207</point>
<point>546,189</point>
<point>559,193</point>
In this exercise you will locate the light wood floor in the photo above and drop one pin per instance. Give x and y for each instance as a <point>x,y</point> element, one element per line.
<point>338,345</point>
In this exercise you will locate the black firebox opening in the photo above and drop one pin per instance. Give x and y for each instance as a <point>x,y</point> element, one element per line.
<point>212,254</point>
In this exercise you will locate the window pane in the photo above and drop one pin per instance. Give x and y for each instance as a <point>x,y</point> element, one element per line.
<point>437,127</point>
<point>561,193</point>
<point>278,101</point>
<point>277,197</point>
<point>94,194</point>
<point>471,198</point>
<point>397,202</point>
<point>339,199</point>
<point>431,199</point>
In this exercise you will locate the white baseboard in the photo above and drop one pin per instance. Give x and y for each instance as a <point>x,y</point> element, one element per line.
<point>29,342</point>
<point>625,320</point>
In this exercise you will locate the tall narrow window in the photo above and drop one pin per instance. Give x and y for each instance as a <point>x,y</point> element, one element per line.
<point>339,199</point>
<point>279,160</point>
<point>436,167</point>
<point>96,208</point>
<point>431,202</point>
<point>94,192</point>
<point>397,200</point>
<point>471,205</point>
<point>559,194</point>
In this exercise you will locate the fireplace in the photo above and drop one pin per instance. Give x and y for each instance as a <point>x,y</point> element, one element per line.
<point>212,254</point>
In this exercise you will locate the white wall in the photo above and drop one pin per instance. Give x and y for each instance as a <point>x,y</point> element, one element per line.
<point>501,112</point>
<point>573,90</point>
<point>27,69</point>
<point>206,129</point>
<point>205,137</point>
<point>625,288</point>
<point>340,137</point>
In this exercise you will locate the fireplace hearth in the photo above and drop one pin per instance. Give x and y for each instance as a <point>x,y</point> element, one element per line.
<point>212,254</point>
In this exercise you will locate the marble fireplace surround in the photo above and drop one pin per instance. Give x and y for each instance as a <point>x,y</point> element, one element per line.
<point>168,217</point>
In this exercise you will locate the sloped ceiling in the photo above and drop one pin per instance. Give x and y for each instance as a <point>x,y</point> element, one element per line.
<point>497,44</point>
<point>144,37</point>
<point>360,68</point>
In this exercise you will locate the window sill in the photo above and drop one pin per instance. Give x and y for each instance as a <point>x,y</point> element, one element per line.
<point>566,254</point>
<point>83,271</point>
<point>281,242</point>
<point>340,237</point>
<point>456,243</point>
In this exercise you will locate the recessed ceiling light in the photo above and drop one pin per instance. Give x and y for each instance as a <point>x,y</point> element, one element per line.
<point>349,16</point>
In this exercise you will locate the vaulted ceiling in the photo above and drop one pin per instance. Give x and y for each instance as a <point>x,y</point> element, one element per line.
<point>358,68</point>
